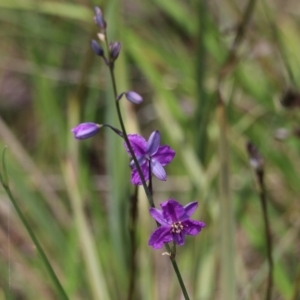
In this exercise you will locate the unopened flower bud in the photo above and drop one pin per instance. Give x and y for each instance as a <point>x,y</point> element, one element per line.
<point>134,97</point>
<point>97,48</point>
<point>98,18</point>
<point>97,10</point>
<point>255,158</point>
<point>85,130</point>
<point>114,49</point>
<point>290,99</point>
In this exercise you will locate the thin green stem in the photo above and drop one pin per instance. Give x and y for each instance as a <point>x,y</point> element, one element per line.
<point>40,250</point>
<point>177,271</point>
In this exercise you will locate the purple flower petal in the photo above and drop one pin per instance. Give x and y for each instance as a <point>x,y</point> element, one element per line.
<point>158,170</point>
<point>193,227</point>
<point>179,238</point>
<point>173,211</point>
<point>190,208</point>
<point>135,177</point>
<point>138,144</point>
<point>160,236</point>
<point>157,215</point>
<point>85,130</point>
<point>153,143</point>
<point>164,155</point>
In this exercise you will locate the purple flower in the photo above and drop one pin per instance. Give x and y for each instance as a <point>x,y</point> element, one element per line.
<point>149,152</point>
<point>175,223</point>
<point>85,130</point>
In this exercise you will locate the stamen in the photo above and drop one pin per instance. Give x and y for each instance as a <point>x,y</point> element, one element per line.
<point>177,227</point>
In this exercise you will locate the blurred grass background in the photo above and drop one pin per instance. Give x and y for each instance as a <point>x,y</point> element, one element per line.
<point>76,194</point>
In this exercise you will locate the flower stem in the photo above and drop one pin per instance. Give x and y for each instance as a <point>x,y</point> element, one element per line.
<point>150,187</point>
<point>178,274</point>
<point>113,80</point>
<point>257,162</point>
<point>263,201</point>
<point>148,190</point>
<point>35,240</point>
<point>132,235</point>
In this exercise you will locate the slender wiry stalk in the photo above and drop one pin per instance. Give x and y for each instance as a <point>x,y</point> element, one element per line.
<point>257,162</point>
<point>263,201</point>
<point>177,271</point>
<point>56,282</point>
<point>133,245</point>
<point>278,41</point>
<point>146,188</point>
<point>150,187</point>
<point>240,34</point>
<point>113,80</point>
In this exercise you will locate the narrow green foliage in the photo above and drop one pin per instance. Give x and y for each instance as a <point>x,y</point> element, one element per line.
<point>4,181</point>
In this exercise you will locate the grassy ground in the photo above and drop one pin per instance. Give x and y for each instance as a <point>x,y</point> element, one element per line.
<point>213,75</point>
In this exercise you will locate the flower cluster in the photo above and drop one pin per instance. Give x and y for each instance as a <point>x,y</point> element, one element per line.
<point>147,157</point>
